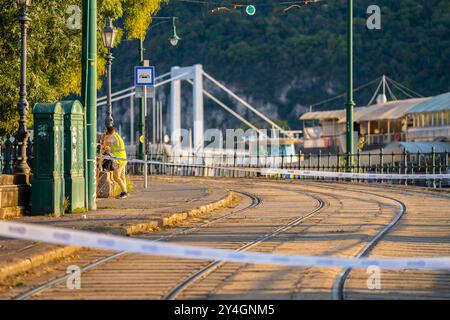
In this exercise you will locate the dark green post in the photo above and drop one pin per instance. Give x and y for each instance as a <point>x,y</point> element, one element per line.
<point>446,162</point>
<point>83,92</point>
<point>89,95</point>
<point>405,164</point>
<point>350,103</point>
<point>141,106</point>
<point>319,160</point>
<point>433,165</point>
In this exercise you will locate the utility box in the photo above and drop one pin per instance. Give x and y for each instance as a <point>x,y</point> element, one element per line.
<point>74,183</point>
<point>47,188</point>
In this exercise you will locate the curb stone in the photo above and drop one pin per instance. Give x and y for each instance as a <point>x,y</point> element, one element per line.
<point>40,259</point>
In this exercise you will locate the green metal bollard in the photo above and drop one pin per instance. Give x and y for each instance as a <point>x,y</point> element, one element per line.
<point>47,189</point>
<point>74,182</point>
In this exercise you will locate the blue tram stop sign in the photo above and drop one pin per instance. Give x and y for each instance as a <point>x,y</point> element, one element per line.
<point>144,76</point>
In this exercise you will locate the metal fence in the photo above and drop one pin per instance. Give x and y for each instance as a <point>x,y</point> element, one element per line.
<point>236,165</point>
<point>9,148</point>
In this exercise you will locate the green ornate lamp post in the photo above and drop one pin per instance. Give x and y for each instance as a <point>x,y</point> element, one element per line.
<point>350,103</point>
<point>21,166</point>
<point>109,37</point>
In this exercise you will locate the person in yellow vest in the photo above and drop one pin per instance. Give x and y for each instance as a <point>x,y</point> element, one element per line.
<point>114,142</point>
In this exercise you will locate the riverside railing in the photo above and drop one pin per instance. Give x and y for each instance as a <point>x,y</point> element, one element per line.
<point>235,164</point>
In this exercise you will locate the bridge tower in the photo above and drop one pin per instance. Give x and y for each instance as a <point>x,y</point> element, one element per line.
<point>194,73</point>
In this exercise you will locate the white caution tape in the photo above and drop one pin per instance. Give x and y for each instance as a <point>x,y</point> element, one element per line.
<point>304,173</point>
<point>351,175</point>
<point>108,242</point>
<point>171,164</point>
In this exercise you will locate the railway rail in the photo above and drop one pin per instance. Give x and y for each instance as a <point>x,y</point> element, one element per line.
<point>172,295</point>
<point>243,229</point>
<point>255,201</point>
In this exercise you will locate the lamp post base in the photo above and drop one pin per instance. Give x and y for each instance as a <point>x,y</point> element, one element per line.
<point>21,167</point>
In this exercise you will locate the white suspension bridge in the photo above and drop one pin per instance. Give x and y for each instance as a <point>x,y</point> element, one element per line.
<point>194,75</point>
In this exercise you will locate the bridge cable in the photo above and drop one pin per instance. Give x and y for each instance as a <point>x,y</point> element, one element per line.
<point>246,104</point>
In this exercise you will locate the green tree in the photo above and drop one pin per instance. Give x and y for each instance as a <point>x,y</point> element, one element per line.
<point>138,16</point>
<point>54,50</point>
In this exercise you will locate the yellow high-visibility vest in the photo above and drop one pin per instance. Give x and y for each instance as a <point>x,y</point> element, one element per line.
<point>118,149</point>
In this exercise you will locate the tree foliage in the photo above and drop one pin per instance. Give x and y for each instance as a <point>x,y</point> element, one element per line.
<point>138,16</point>
<point>294,59</point>
<point>54,50</point>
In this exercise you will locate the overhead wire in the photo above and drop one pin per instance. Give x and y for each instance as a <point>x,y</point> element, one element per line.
<point>344,94</point>
<point>233,5</point>
<point>390,91</point>
<point>405,87</point>
<point>403,91</point>
<point>376,91</point>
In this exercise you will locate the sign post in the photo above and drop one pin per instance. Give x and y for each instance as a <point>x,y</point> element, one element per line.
<point>144,81</point>
<point>350,102</point>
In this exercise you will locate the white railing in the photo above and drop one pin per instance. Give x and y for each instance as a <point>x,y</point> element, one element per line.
<point>384,138</point>
<point>428,133</point>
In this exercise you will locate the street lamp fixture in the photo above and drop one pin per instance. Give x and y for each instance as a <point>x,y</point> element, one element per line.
<point>21,166</point>
<point>109,36</point>
<point>174,39</point>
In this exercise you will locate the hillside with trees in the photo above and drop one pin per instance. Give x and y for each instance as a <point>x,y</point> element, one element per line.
<point>283,62</point>
<point>280,61</point>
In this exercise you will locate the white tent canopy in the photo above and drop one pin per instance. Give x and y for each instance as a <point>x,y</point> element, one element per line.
<point>388,111</point>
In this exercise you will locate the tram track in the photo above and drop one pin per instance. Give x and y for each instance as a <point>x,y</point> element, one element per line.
<point>432,244</point>
<point>175,292</point>
<point>339,284</point>
<point>255,202</point>
<point>338,289</point>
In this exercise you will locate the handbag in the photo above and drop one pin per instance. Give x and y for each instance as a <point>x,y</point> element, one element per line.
<point>108,164</point>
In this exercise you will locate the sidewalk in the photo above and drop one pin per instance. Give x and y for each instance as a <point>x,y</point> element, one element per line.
<point>164,203</point>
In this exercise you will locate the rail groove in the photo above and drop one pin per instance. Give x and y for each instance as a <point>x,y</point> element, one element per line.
<point>255,202</point>
<point>175,292</point>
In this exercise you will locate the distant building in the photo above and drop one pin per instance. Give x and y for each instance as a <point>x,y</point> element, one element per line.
<point>430,120</point>
<point>419,119</point>
<point>380,124</point>
<point>321,130</point>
